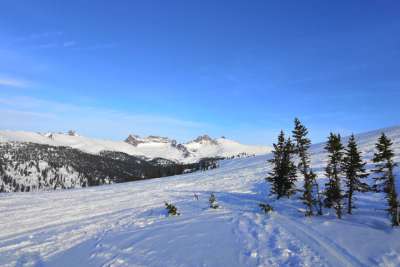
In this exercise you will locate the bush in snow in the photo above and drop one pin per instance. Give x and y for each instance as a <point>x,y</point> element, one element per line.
<point>266,208</point>
<point>172,210</point>
<point>213,201</point>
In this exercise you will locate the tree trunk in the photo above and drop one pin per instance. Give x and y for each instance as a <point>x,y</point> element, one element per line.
<point>349,202</point>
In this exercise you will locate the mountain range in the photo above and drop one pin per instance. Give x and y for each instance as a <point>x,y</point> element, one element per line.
<point>148,147</point>
<point>47,161</point>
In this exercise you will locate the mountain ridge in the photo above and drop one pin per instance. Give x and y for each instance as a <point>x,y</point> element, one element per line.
<point>150,147</point>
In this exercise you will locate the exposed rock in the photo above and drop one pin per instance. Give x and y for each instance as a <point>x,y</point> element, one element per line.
<point>205,139</point>
<point>133,140</point>
<point>72,133</point>
<point>182,148</point>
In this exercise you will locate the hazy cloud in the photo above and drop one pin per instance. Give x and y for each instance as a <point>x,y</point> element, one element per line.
<point>12,82</point>
<point>69,43</point>
<point>44,40</point>
<point>38,36</point>
<point>98,46</point>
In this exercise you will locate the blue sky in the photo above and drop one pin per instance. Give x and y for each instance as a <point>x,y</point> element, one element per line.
<point>243,69</point>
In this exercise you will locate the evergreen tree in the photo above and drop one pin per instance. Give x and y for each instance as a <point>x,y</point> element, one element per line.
<point>302,145</point>
<point>354,168</point>
<point>276,162</point>
<point>283,174</point>
<point>266,208</point>
<point>384,166</point>
<point>333,171</point>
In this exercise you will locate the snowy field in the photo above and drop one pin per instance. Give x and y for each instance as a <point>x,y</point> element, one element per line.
<point>126,224</point>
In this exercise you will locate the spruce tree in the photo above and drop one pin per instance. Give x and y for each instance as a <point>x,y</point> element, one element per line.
<point>333,171</point>
<point>354,168</point>
<point>385,181</point>
<point>283,174</point>
<point>289,167</point>
<point>276,162</point>
<point>302,144</point>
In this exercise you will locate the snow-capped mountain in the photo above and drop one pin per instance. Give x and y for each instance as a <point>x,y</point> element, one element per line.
<point>47,161</point>
<point>204,146</point>
<point>150,147</point>
<point>126,224</point>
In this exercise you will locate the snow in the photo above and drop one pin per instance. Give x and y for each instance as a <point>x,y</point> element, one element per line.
<point>150,147</point>
<point>126,224</point>
<point>225,148</point>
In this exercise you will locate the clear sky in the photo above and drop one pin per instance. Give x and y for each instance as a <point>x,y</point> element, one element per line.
<point>243,69</point>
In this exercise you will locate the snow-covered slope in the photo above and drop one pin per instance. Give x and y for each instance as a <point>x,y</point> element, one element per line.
<point>150,147</point>
<point>204,147</point>
<point>125,224</point>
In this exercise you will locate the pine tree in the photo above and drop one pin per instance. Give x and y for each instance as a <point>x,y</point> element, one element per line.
<point>283,174</point>
<point>354,168</point>
<point>276,162</point>
<point>333,171</point>
<point>302,145</point>
<point>384,166</point>
<point>289,168</point>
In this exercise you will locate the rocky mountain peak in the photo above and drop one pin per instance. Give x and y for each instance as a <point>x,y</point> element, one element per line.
<point>133,140</point>
<point>205,139</point>
<point>72,133</point>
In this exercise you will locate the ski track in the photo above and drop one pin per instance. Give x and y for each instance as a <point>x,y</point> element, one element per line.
<point>328,249</point>
<point>267,243</point>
